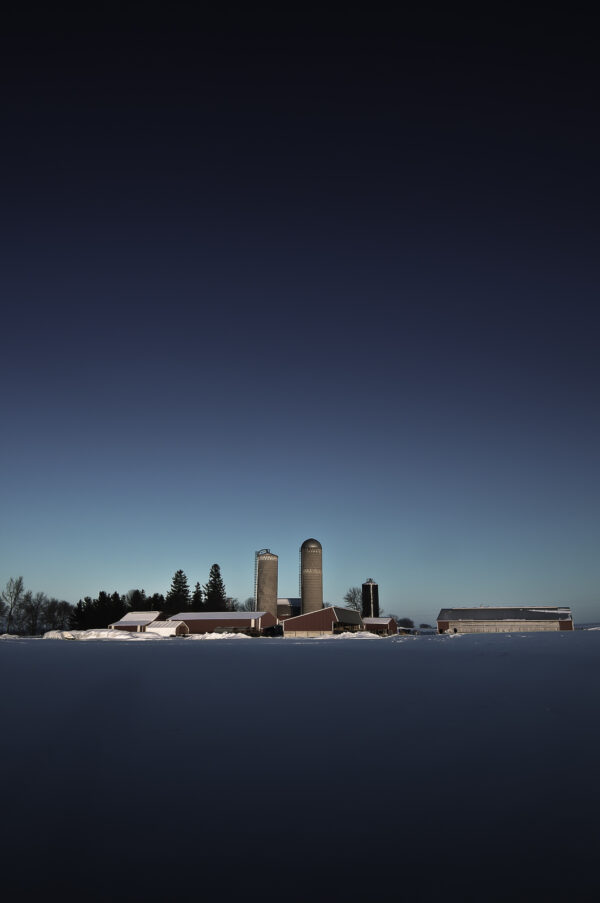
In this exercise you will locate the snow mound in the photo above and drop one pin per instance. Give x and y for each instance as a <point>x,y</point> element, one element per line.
<point>362,635</point>
<point>97,635</point>
<point>9,636</point>
<point>218,636</point>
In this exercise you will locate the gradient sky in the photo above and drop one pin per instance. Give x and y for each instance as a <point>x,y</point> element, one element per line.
<point>269,280</point>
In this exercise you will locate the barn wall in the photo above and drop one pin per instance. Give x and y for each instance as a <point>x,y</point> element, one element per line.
<point>209,625</point>
<point>319,621</point>
<point>502,626</point>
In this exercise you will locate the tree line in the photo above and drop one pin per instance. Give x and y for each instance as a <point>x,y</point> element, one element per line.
<point>32,614</point>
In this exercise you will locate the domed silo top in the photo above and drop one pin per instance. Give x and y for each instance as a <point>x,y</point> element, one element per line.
<point>311,544</point>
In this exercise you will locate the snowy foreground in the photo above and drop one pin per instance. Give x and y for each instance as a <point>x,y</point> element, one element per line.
<point>411,768</point>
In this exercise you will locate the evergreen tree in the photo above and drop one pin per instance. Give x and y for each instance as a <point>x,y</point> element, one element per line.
<point>136,600</point>
<point>178,597</point>
<point>197,598</point>
<point>90,614</point>
<point>81,614</point>
<point>156,602</point>
<point>214,591</point>
<point>116,608</point>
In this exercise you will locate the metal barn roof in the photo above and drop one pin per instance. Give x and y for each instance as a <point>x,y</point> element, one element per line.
<point>377,620</point>
<point>139,617</point>
<point>163,624</point>
<point>217,615</point>
<point>530,613</point>
<point>344,615</point>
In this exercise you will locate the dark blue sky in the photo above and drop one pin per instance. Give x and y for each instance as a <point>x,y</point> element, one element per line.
<point>265,280</point>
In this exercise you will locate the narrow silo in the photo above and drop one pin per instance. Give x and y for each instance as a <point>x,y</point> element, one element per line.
<point>370,599</point>
<point>311,575</point>
<point>265,581</point>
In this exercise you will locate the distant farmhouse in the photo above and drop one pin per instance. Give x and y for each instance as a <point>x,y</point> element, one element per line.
<point>504,619</point>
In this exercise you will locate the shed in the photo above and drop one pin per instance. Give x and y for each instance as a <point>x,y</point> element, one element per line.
<point>135,621</point>
<point>168,628</point>
<point>211,621</point>
<point>505,619</point>
<point>381,626</point>
<point>323,622</point>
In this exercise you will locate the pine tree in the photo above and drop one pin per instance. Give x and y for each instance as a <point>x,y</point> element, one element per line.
<point>156,602</point>
<point>197,598</point>
<point>178,597</point>
<point>136,600</point>
<point>214,591</point>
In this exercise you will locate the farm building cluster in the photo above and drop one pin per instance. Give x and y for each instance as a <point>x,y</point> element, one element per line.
<point>327,621</point>
<point>307,616</point>
<point>333,620</point>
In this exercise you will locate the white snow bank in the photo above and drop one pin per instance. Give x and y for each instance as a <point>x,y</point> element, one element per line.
<point>9,636</point>
<point>362,635</point>
<point>218,636</point>
<point>99,635</point>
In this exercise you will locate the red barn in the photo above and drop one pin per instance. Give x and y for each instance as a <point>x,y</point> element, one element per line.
<point>323,622</point>
<point>381,626</point>
<point>217,621</point>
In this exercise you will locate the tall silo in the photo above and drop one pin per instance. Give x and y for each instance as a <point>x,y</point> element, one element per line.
<point>311,575</point>
<point>370,599</point>
<point>265,581</point>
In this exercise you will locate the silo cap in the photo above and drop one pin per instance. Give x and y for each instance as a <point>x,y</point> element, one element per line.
<point>311,544</point>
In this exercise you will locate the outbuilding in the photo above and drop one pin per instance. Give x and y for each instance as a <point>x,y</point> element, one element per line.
<point>381,626</point>
<point>168,628</point>
<point>135,621</point>
<point>323,622</point>
<point>253,622</point>
<point>506,619</point>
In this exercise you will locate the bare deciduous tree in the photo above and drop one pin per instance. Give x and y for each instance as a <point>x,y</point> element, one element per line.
<point>57,615</point>
<point>12,595</point>
<point>353,598</point>
<point>30,615</point>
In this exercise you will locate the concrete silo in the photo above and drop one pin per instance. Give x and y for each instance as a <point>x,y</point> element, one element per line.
<point>265,581</point>
<point>311,575</point>
<point>370,599</point>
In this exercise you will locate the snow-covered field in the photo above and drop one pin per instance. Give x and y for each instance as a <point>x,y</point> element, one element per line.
<point>415,768</point>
